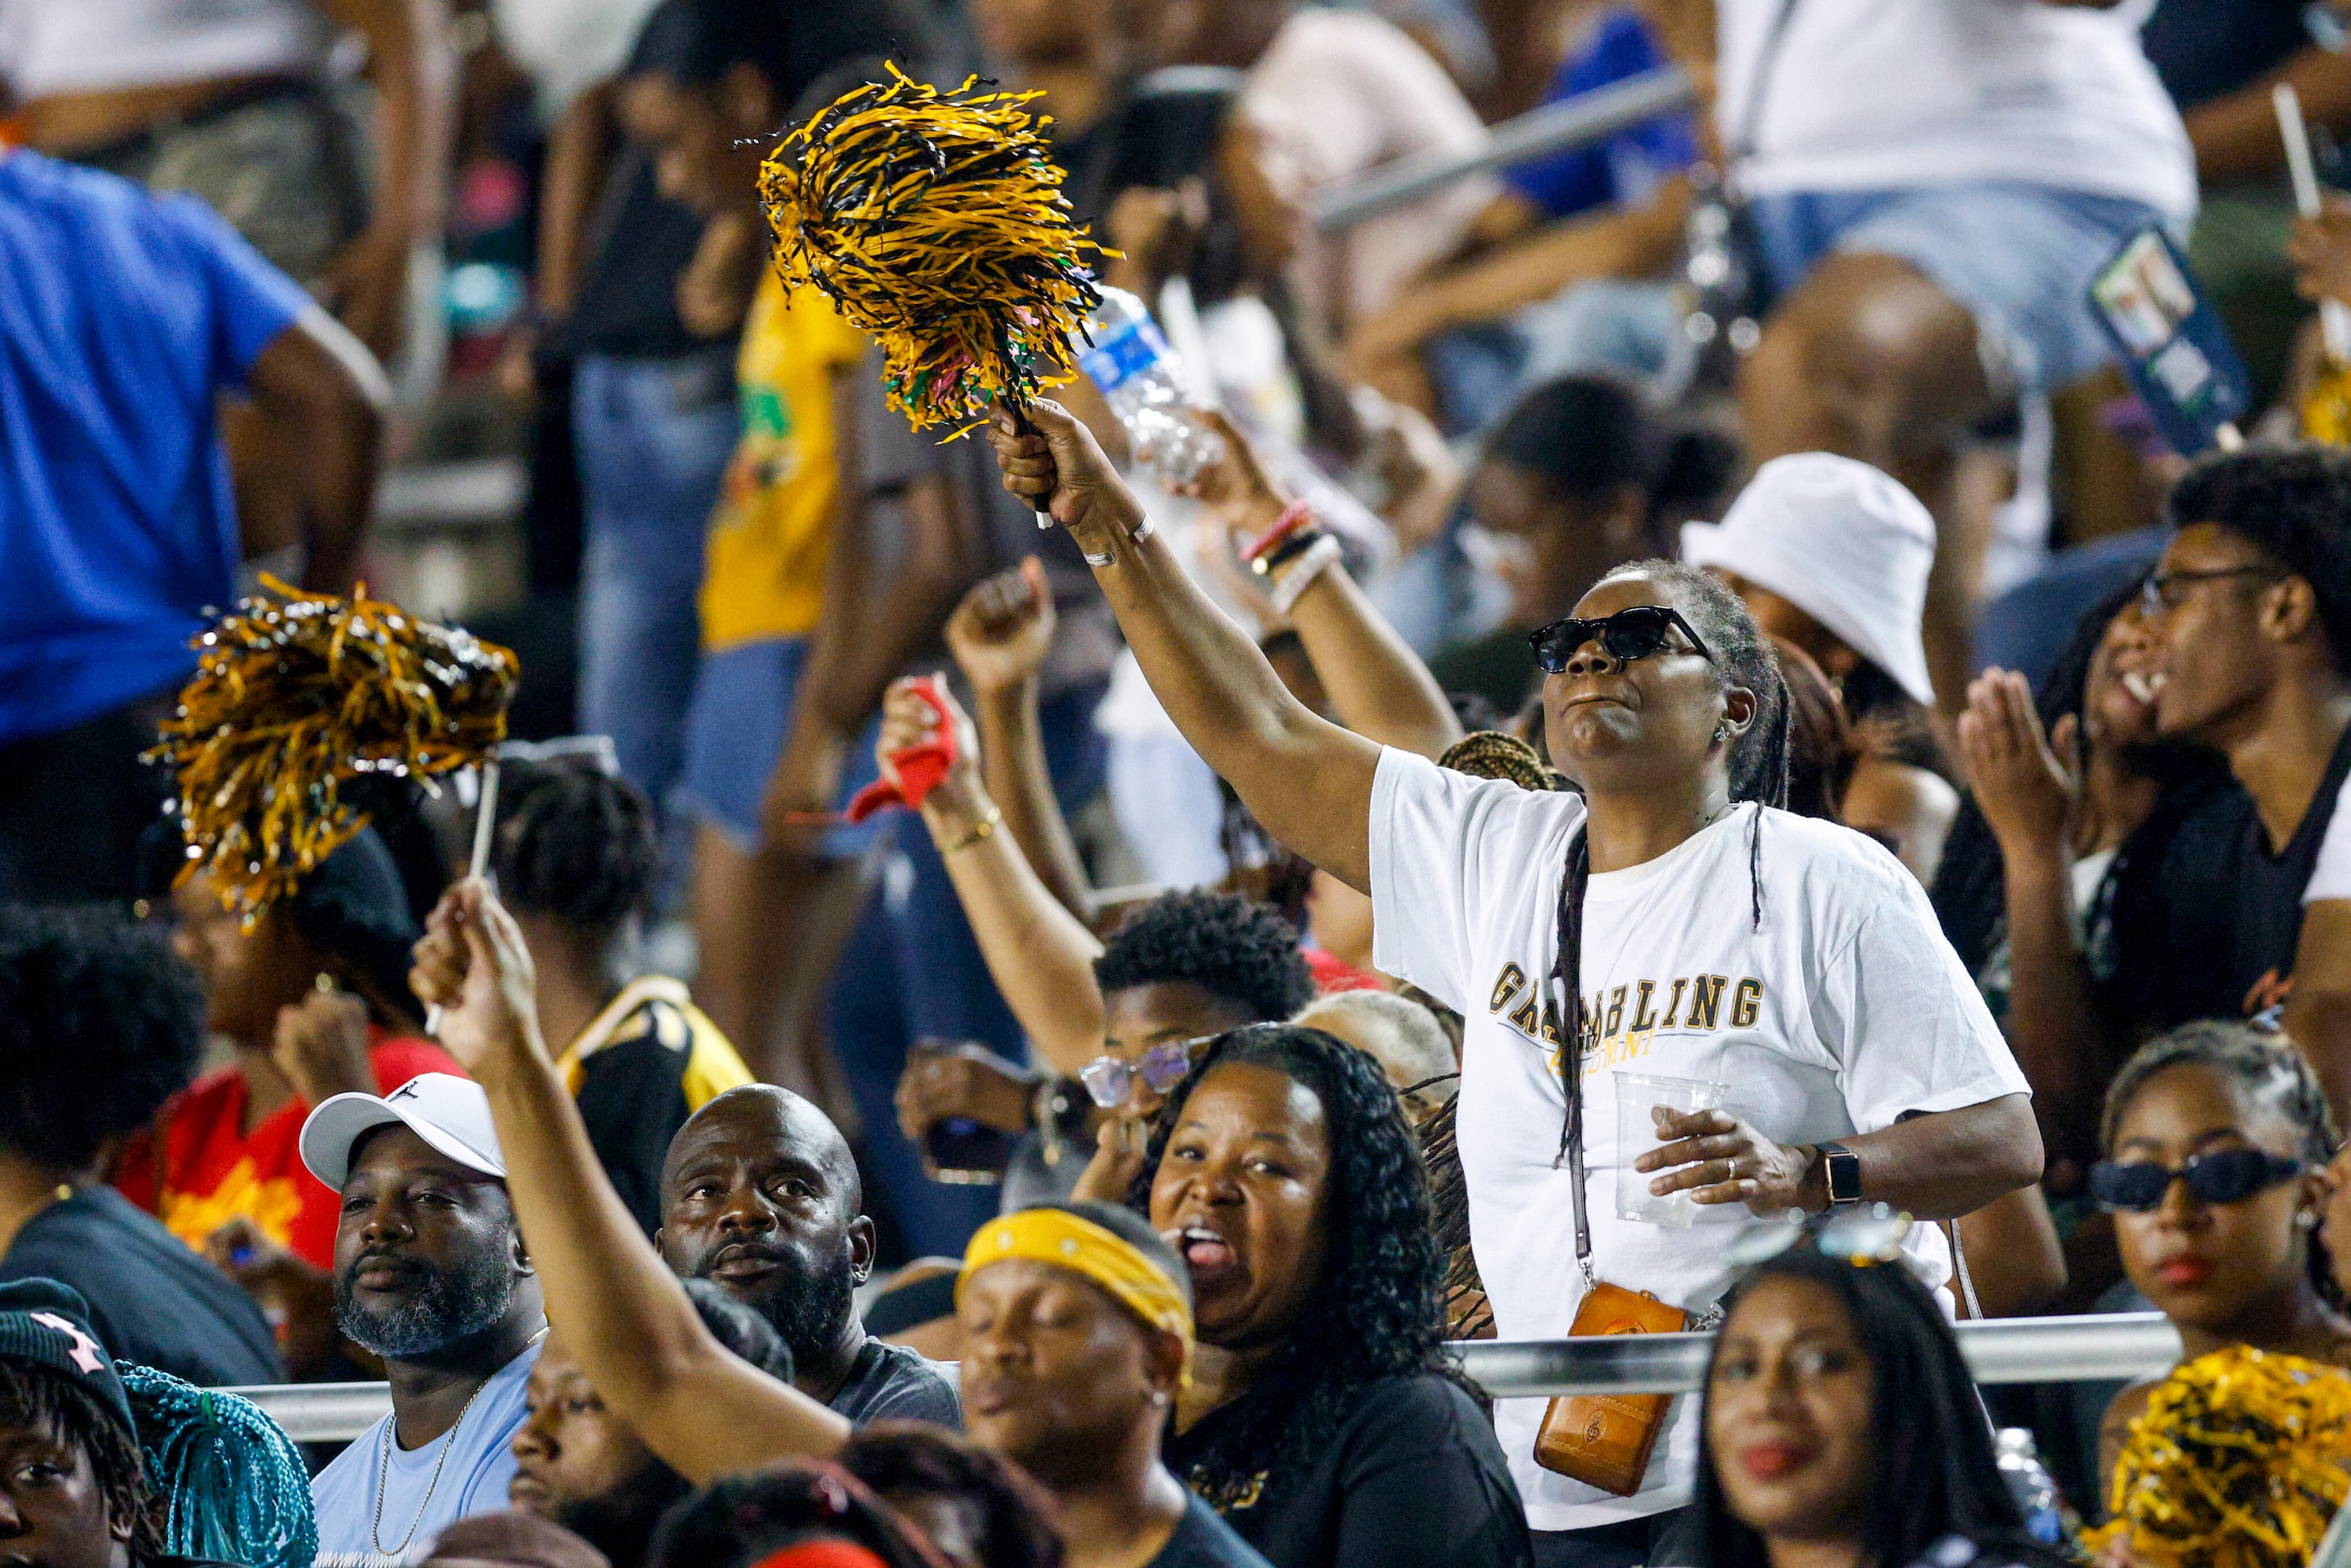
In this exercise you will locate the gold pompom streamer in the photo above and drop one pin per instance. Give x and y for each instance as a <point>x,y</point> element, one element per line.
<point>935,221</point>
<point>295,695</point>
<point>2239,1462</point>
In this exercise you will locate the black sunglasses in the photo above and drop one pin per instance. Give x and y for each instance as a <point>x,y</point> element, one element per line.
<point>1628,634</point>
<point>2226,1176</point>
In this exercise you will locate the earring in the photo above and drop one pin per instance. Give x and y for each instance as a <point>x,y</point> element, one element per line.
<point>2307,1218</point>
<point>1720,734</point>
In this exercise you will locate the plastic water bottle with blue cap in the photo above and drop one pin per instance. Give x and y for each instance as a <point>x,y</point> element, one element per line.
<point>1131,365</point>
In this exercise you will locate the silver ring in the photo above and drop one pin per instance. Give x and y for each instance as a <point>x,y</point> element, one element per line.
<point>1106,558</point>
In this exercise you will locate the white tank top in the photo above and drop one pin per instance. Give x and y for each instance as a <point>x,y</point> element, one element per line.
<point>53,47</point>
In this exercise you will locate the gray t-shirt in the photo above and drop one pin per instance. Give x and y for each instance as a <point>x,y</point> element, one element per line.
<point>895,454</point>
<point>891,1383</point>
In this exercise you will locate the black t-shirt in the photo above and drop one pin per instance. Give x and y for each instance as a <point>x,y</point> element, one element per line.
<point>2150,946</point>
<point>891,1383</point>
<point>639,243</point>
<point>2205,49</point>
<point>151,1298</point>
<point>2264,920</point>
<point>1413,1475</point>
<point>1204,1541</point>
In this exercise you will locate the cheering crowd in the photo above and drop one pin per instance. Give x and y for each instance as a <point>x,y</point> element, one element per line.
<point>1663,737</point>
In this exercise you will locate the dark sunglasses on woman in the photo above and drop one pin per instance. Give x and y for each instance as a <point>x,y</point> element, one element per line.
<point>2225,1176</point>
<point>1629,634</point>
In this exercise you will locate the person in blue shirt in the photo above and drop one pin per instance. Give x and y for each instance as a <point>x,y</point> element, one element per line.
<point>430,1274</point>
<point>1610,212</point>
<point>123,316</point>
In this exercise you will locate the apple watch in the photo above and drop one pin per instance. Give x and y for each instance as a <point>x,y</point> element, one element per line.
<point>1843,1168</point>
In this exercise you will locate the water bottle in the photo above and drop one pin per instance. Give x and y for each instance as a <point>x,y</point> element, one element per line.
<point>1129,362</point>
<point>2035,1493</point>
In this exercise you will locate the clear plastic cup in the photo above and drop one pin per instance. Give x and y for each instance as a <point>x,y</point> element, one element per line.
<point>1638,1096</point>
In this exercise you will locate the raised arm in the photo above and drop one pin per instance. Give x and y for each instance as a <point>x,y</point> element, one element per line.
<point>705,1411</point>
<point>1308,781</point>
<point>2027,790</point>
<point>999,637</point>
<point>1040,956</point>
<point>1377,685</point>
<point>318,382</point>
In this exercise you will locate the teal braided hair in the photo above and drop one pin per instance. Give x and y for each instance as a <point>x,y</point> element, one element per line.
<point>232,1482</point>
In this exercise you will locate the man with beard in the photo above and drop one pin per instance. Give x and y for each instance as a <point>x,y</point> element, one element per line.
<point>760,1195</point>
<point>579,1466</point>
<point>430,1274</point>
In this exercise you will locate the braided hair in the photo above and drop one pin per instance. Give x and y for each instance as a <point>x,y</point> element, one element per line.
<point>2266,1070</point>
<point>1757,768</point>
<point>229,1485</point>
<point>576,844</point>
<point>1491,754</point>
<point>1374,1312</point>
<point>35,1398</point>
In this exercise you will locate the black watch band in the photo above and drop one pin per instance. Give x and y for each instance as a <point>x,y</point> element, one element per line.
<point>1841,1166</point>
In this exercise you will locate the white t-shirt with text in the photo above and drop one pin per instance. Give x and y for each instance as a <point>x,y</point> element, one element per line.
<point>1867,95</point>
<point>1845,1009</point>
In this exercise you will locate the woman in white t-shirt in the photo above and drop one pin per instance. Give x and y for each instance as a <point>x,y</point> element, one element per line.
<point>1793,960</point>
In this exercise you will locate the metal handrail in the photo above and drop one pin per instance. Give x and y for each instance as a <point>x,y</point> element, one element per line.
<point>2006,1350</point>
<point>1578,121</point>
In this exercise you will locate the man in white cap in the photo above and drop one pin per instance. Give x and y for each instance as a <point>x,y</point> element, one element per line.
<point>1832,556</point>
<point>431,1275</point>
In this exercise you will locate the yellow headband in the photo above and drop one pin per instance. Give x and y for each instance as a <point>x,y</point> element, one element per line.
<point>1067,1242</point>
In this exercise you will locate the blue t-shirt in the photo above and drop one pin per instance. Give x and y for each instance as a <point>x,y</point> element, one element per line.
<point>1625,168</point>
<point>474,1477</point>
<point>121,314</point>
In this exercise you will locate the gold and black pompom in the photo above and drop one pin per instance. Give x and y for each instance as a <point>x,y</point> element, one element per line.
<point>935,221</point>
<point>295,695</point>
<point>2239,1462</point>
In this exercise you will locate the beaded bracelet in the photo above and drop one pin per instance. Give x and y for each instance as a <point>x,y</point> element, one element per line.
<point>1290,549</point>
<point>1294,516</point>
<point>1294,581</point>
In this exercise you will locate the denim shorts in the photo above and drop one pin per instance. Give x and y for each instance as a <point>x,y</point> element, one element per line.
<point>2018,257</point>
<point>735,732</point>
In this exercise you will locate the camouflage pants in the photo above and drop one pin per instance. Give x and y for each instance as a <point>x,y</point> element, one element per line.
<point>282,170</point>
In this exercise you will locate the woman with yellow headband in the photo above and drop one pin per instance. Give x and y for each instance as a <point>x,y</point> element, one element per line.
<point>1078,1321</point>
<point>1324,1421</point>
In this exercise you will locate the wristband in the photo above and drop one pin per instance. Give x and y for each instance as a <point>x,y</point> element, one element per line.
<point>1295,580</point>
<point>1290,549</point>
<point>1294,516</point>
<point>984,829</point>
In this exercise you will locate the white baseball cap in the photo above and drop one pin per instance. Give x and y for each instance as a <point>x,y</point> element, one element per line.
<point>1841,541</point>
<point>450,1113</point>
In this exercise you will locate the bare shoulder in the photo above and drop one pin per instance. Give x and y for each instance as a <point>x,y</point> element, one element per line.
<point>2113,1430</point>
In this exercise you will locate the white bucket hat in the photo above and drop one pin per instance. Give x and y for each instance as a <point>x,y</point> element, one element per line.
<point>1841,541</point>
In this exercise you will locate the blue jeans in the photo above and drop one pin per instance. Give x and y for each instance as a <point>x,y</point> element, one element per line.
<point>653,436</point>
<point>912,971</point>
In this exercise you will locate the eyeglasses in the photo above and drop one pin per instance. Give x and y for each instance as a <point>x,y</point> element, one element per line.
<point>2164,591</point>
<point>1862,1236</point>
<point>1628,634</point>
<point>1109,1081</point>
<point>2225,1176</point>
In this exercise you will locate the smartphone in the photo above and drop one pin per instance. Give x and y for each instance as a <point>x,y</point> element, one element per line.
<point>2174,347</point>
